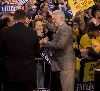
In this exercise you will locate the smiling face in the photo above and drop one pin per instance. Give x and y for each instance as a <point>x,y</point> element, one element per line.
<point>56,20</point>
<point>39,26</point>
<point>58,17</point>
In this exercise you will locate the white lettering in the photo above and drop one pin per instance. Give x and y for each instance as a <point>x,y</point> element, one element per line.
<point>2,8</point>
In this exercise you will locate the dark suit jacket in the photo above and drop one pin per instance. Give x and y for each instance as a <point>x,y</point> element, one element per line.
<point>62,43</point>
<point>18,46</point>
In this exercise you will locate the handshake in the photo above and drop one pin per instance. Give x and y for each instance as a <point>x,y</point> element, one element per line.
<point>43,42</point>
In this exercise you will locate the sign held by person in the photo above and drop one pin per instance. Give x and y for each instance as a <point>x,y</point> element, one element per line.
<point>80,5</point>
<point>8,8</point>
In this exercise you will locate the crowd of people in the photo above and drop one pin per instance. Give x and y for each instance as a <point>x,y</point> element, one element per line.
<point>46,25</point>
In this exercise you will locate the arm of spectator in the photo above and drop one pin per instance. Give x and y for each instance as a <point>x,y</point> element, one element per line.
<point>93,54</point>
<point>82,22</point>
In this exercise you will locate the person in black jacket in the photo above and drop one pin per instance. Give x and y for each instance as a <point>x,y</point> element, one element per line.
<point>18,47</point>
<point>3,25</point>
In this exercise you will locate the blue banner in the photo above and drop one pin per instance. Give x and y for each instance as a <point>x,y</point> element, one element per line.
<point>8,8</point>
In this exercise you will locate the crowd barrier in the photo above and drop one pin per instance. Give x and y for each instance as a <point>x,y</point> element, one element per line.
<point>40,74</point>
<point>88,80</point>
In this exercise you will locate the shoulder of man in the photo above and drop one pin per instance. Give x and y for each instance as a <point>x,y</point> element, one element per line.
<point>6,29</point>
<point>65,27</point>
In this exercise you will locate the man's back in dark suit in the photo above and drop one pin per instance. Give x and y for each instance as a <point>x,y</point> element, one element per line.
<point>19,45</point>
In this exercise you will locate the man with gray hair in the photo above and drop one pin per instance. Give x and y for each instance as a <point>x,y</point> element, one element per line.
<point>63,57</point>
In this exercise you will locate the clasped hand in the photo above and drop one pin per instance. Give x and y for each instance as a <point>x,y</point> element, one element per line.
<point>43,41</point>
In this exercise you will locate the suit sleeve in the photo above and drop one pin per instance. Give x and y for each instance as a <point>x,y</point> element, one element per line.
<point>37,46</point>
<point>1,46</point>
<point>64,36</point>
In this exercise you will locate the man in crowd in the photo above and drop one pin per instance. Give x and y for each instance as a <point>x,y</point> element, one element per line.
<point>63,57</point>
<point>18,46</point>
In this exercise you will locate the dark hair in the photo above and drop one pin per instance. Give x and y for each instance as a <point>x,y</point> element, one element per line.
<point>48,15</point>
<point>4,23</point>
<point>20,14</point>
<point>91,27</point>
